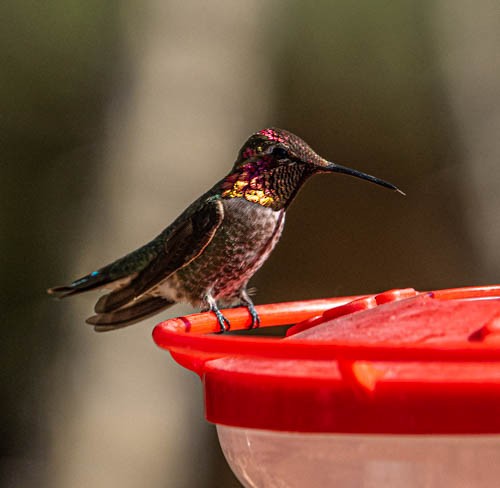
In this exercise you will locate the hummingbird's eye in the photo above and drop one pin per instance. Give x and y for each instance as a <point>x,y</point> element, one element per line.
<point>280,153</point>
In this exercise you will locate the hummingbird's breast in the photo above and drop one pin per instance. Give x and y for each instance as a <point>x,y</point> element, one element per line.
<point>242,243</point>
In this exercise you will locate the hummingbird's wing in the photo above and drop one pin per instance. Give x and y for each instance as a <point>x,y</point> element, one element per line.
<point>114,275</point>
<point>97,279</point>
<point>120,272</point>
<point>184,240</point>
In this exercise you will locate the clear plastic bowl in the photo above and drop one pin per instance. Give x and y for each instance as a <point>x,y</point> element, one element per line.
<point>268,459</point>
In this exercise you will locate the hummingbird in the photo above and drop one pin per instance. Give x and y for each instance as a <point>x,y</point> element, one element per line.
<point>209,253</point>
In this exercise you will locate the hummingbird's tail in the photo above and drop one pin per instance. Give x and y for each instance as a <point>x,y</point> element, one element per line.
<point>139,310</point>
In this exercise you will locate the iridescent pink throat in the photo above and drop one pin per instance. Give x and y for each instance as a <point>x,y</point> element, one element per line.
<point>250,183</point>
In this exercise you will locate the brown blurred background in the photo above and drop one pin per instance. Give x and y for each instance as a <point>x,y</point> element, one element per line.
<point>114,116</point>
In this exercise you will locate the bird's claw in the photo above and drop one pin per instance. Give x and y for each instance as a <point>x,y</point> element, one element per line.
<point>255,316</point>
<point>255,321</point>
<point>247,302</point>
<point>224,323</point>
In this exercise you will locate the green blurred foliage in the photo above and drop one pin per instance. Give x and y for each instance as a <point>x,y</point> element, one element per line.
<point>58,60</point>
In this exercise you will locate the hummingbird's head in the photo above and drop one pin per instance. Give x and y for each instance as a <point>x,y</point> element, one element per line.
<point>273,164</point>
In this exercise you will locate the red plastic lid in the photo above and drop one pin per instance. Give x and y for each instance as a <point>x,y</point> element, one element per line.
<point>397,362</point>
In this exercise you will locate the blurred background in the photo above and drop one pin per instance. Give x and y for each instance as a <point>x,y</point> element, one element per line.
<point>116,115</point>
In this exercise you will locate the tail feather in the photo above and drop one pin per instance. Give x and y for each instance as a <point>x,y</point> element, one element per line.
<point>123,317</point>
<point>115,300</point>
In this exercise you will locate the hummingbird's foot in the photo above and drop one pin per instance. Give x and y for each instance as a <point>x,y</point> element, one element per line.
<point>224,323</point>
<point>255,316</point>
<point>247,301</point>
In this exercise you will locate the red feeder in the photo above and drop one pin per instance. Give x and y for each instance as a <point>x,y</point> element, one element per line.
<point>396,389</point>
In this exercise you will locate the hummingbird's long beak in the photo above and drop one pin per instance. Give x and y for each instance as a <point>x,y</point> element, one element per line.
<point>337,168</point>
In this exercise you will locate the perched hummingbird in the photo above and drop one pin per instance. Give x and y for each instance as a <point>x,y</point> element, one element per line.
<point>208,254</point>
